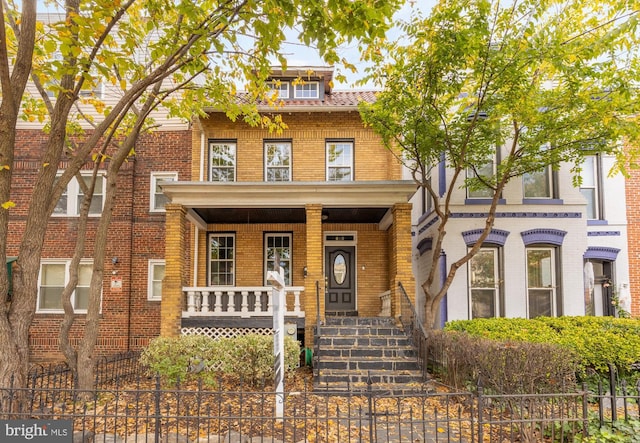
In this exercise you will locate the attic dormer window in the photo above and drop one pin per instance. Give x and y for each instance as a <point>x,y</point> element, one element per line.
<point>281,87</point>
<point>307,90</point>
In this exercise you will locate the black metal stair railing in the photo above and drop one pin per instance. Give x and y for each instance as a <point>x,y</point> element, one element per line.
<point>413,327</point>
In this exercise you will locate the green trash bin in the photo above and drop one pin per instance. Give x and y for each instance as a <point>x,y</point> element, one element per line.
<point>308,357</point>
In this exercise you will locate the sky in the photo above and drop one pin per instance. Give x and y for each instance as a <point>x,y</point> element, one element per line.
<point>300,55</point>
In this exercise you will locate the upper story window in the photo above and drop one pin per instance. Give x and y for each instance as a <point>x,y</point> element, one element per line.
<point>590,188</point>
<point>486,171</point>
<point>538,184</point>
<point>222,259</point>
<point>339,160</point>
<point>281,87</point>
<point>54,276</point>
<point>71,199</point>
<point>279,244</point>
<point>222,161</point>
<point>277,161</point>
<point>92,91</point>
<point>157,199</point>
<point>306,90</point>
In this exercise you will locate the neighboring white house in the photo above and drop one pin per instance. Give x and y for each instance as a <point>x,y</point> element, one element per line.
<point>554,249</point>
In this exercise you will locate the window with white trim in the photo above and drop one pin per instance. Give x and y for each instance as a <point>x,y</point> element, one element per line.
<point>484,283</point>
<point>541,281</point>
<point>280,244</point>
<point>222,259</point>
<point>339,160</point>
<point>589,187</point>
<point>157,198</point>
<point>222,161</point>
<point>54,276</point>
<point>306,90</point>
<point>156,275</point>
<point>71,199</point>
<point>281,87</point>
<point>277,161</point>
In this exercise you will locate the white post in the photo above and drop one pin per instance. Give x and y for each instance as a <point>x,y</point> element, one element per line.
<point>276,279</point>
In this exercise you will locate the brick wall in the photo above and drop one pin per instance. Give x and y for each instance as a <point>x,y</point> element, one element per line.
<point>128,319</point>
<point>308,132</point>
<point>632,188</point>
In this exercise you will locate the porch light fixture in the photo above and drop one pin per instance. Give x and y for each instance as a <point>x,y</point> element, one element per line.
<point>305,272</point>
<point>325,215</point>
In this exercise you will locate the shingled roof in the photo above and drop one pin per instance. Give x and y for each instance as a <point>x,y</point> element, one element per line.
<point>336,100</point>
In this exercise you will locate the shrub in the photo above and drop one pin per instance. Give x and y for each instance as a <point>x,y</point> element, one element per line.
<point>248,357</point>
<point>598,341</point>
<point>506,367</point>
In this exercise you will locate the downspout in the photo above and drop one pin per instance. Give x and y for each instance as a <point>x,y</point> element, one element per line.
<point>132,226</point>
<point>197,233</point>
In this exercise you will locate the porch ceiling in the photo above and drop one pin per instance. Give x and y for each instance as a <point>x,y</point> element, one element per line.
<point>284,202</point>
<point>288,215</point>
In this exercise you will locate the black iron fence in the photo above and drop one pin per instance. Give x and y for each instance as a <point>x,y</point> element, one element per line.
<point>146,411</point>
<point>109,369</point>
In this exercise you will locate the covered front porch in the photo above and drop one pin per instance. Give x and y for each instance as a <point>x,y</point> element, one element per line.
<point>346,246</point>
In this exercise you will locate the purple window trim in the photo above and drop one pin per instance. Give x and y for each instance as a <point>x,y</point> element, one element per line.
<point>546,235</point>
<point>496,236</point>
<point>602,253</point>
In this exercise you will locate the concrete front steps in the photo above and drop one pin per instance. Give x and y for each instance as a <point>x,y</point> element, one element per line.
<point>355,352</point>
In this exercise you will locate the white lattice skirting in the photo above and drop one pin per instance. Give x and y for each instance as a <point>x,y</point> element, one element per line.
<point>225,332</point>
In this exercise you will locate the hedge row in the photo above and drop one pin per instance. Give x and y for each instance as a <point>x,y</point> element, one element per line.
<point>598,341</point>
<point>506,367</point>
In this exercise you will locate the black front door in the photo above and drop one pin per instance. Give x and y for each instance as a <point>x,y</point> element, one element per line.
<point>341,278</point>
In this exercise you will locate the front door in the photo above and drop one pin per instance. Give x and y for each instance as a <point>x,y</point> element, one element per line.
<point>341,278</point>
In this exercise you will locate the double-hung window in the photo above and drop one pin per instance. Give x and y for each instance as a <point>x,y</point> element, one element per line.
<point>484,287</point>
<point>222,259</point>
<point>306,90</point>
<point>156,275</point>
<point>590,186</point>
<point>54,276</point>
<point>280,245</point>
<point>70,202</point>
<point>277,161</point>
<point>486,172</point>
<point>157,199</point>
<point>541,281</point>
<point>539,184</point>
<point>339,160</point>
<point>222,161</point>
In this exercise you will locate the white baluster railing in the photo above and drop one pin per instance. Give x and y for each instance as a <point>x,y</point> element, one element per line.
<point>255,301</point>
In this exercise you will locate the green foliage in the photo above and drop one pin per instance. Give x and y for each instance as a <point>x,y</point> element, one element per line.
<point>621,431</point>
<point>598,341</point>
<point>248,357</point>
<point>518,86</point>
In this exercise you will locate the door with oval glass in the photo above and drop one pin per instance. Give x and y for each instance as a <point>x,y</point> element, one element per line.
<point>341,278</point>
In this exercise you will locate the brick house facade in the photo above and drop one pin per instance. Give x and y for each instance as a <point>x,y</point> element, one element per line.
<point>136,235</point>
<point>325,194</point>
